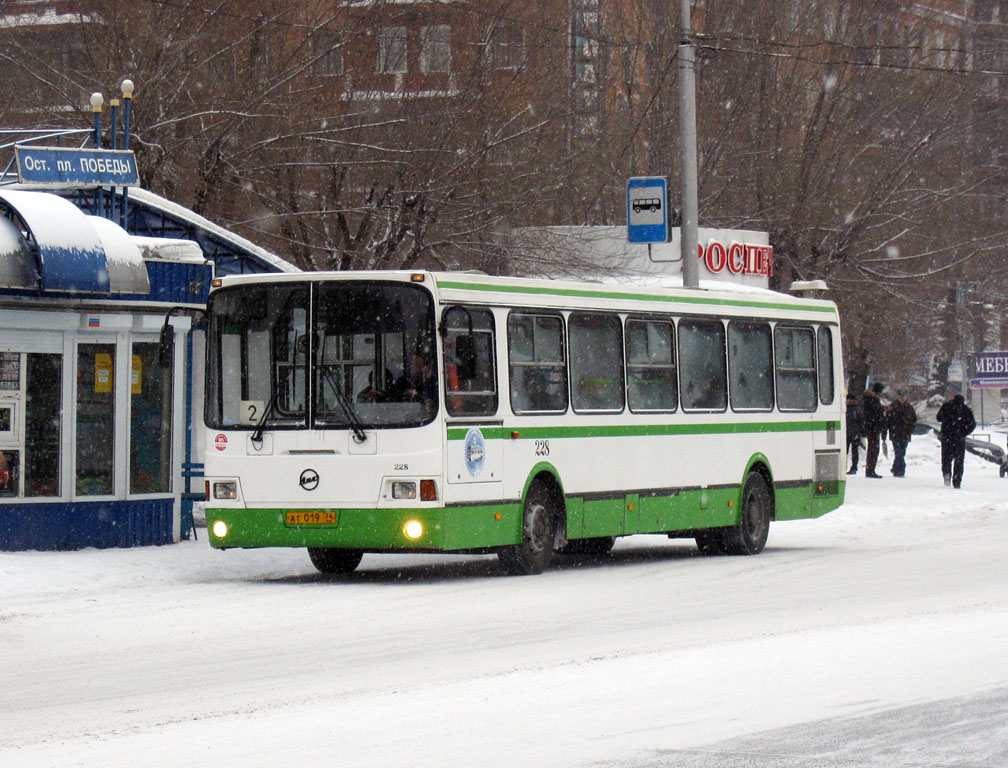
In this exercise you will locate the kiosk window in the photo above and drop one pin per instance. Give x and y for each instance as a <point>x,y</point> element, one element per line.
<point>150,421</point>
<point>95,419</point>
<point>9,461</point>
<point>43,404</point>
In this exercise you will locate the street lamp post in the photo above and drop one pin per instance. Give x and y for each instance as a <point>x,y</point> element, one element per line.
<point>127,94</point>
<point>96,106</point>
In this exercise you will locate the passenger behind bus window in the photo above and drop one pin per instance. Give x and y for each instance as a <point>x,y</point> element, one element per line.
<point>419,384</point>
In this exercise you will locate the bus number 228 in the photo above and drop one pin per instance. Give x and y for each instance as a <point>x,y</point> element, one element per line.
<point>542,448</point>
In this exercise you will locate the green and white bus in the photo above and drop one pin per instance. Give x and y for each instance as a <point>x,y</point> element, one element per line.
<point>360,412</point>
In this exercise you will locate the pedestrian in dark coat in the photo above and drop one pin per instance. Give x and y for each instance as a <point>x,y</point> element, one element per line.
<point>874,425</point>
<point>900,420</point>
<point>957,422</point>
<point>855,430</point>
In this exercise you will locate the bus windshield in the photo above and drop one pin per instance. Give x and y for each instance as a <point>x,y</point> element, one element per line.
<point>338,354</point>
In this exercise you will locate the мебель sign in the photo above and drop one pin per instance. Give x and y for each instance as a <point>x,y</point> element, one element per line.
<point>991,370</point>
<point>61,167</point>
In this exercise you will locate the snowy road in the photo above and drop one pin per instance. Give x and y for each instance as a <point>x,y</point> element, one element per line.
<point>878,633</point>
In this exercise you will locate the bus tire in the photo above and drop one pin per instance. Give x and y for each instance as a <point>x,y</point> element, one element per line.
<point>539,523</point>
<point>711,542</point>
<point>749,536</point>
<point>331,560</point>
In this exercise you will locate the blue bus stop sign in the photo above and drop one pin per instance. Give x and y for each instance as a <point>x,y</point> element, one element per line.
<point>59,167</point>
<point>647,210</point>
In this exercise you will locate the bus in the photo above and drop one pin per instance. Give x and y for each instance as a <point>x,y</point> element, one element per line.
<point>376,412</point>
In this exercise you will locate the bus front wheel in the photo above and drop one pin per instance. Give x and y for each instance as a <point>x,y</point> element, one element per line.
<point>329,560</point>
<point>539,522</point>
<point>749,536</point>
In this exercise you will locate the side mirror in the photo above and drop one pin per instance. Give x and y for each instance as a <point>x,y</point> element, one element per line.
<point>465,357</point>
<point>166,348</point>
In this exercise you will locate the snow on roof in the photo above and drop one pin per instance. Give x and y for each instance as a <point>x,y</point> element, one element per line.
<point>169,249</point>
<point>184,214</point>
<point>55,222</point>
<point>606,256</point>
<point>47,18</point>
<point>11,242</point>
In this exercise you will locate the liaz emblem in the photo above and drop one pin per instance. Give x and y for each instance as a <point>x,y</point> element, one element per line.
<point>309,480</point>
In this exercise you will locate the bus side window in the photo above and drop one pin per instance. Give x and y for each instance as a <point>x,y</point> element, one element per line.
<point>825,359</point>
<point>750,365</point>
<point>537,366</point>
<point>595,344</point>
<point>702,371</point>
<point>651,368</point>
<point>469,366</point>
<point>794,357</point>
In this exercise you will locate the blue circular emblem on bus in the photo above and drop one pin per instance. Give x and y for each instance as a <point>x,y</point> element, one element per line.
<point>475,451</point>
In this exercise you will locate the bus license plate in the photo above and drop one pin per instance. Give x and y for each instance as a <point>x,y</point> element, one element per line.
<point>311,517</point>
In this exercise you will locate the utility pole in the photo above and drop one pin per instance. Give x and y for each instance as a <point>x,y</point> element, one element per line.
<point>688,142</point>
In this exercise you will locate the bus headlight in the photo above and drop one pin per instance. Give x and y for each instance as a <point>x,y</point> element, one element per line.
<point>220,529</point>
<point>228,490</point>
<point>413,529</point>
<point>403,490</point>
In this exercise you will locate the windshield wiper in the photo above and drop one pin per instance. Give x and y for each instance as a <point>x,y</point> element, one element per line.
<point>257,433</point>
<point>347,406</point>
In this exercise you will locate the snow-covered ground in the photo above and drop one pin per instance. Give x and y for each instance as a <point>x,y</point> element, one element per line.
<point>876,635</point>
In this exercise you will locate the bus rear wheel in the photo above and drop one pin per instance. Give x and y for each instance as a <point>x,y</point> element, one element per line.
<point>329,560</point>
<point>539,522</point>
<point>749,536</point>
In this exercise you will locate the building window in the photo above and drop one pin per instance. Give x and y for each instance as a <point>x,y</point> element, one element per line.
<point>328,50</point>
<point>506,47</point>
<point>651,370</point>
<point>150,421</point>
<point>43,404</point>
<point>435,48</point>
<point>392,50</point>
<point>95,419</point>
<point>596,362</point>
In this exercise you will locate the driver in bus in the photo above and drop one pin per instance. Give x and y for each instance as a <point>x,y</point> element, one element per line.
<point>373,394</point>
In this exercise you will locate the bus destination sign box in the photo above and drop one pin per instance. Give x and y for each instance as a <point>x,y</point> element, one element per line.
<point>58,167</point>
<point>647,210</point>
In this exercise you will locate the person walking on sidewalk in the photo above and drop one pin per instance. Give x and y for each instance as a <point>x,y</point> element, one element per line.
<point>900,420</point>
<point>874,425</point>
<point>957,422</point>
<point>855,428</point>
